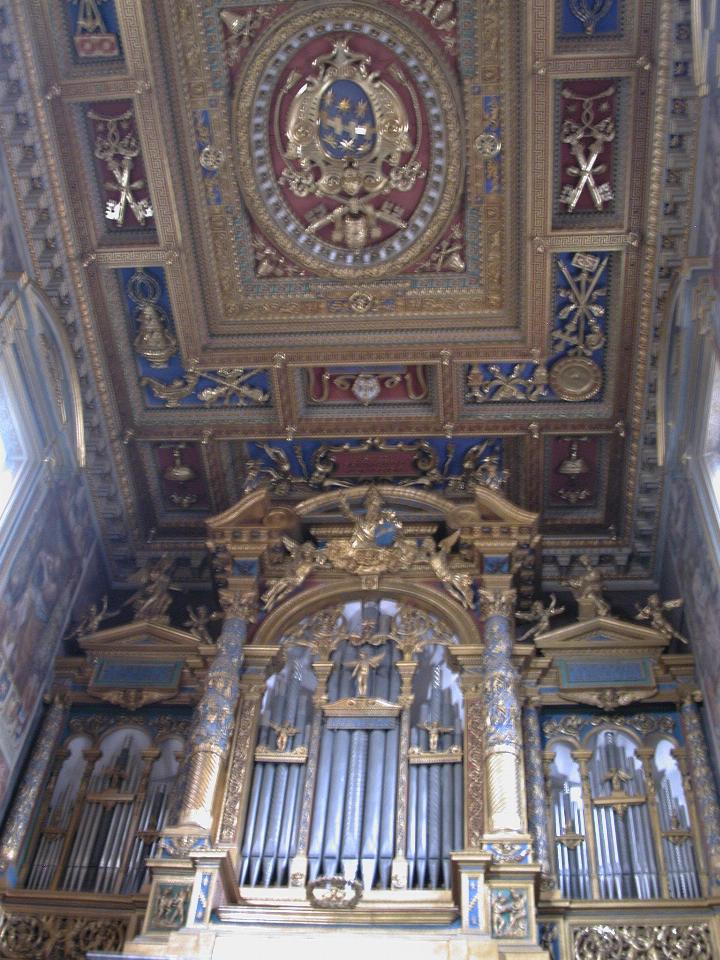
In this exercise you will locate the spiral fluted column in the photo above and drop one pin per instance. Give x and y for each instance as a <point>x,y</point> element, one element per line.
<point>503,734</point>
<point>215,715</point>
<point>535,788</point>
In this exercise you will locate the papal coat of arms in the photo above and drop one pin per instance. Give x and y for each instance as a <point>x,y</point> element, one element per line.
<point>348,140</point>
<point>348,133</point>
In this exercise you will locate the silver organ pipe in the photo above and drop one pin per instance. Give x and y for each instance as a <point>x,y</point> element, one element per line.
<point>626,857</point>
<point>569,823</point>
<point>115,821</point>
<point>626,840</point>
<point>352,825</point>
<point>675,825</point>
<point>435,825</point>
<point>276,792</point>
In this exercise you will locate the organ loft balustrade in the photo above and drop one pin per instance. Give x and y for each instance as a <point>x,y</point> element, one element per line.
<point>369,749</point>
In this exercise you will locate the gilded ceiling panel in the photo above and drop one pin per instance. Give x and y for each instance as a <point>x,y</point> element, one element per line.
<point>358,227</point>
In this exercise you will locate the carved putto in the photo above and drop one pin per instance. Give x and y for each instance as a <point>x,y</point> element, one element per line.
<point>654,611</point>
<point>540,615</point>
<point>587,590</point>
<point>153,598</point>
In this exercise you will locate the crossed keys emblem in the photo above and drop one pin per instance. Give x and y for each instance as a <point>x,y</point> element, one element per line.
<point>587,140</point>
<point>119,153</point>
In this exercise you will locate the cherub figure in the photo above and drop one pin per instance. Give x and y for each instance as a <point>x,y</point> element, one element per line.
<point>362,667</point>
<point>587,590</point>
<point>199,620</point>
<point>305,557</point>
<point>541,616</point>
<point>458,585</point>
<point>283,732</point>
<point>654,611</point>
<point>434,729</point>
<point>90,623</point>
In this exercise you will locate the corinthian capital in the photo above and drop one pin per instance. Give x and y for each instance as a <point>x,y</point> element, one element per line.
<point>497,603</point>
<point>243,606</point>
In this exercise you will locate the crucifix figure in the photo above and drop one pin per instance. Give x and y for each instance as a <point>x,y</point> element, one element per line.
<point>283,732</point>
<point>434,730</point>
<point>362,667</point>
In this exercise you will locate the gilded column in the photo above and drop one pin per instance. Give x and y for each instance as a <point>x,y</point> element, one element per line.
<point>474,758</point>
<point>400,864</point>
<point>535,788</point>
<point>18,822</point>
<point>704,786</point>
<point>240,767</point>
<point>215,715</point>
<point>322,669</point>
<point>503,735</point>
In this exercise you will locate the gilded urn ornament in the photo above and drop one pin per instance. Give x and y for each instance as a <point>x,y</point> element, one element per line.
<point>355,160</point>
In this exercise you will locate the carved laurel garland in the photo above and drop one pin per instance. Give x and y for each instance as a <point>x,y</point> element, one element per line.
<point>661,942</point>
<point>29,937</point>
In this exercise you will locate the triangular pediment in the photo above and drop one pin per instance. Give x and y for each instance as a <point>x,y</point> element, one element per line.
<point>142,638</point>
<point>608,635</point>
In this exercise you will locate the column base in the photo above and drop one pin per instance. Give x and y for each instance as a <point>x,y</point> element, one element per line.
<point>496,895</point>
<point>321,943</point>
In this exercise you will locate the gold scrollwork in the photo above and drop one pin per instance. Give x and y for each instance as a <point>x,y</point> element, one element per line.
<point>663,941</point>
<point>54,935</point>
<point>495,603</point>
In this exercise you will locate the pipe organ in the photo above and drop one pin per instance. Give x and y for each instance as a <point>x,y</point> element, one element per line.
<point>370,743</point>
<point>357,741</point>
<point>639,829</point>
<point>106,812</point>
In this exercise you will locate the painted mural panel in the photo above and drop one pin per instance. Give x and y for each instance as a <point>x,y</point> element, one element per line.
<point>695,571</point>
<point>38,581</point>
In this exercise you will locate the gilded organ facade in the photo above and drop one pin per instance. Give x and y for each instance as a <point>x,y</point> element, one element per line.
<point>370,745</point>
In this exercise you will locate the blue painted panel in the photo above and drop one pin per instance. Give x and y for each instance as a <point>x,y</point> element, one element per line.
<point>208,392</point>
<point>108,13</point>
<point>473,903</point>
<point>602,672</point>
<point>578,15</point>
<point>117,673</point>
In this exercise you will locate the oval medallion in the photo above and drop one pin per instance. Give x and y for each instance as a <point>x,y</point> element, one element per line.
<point>349,142</point>
<point>575,378</point>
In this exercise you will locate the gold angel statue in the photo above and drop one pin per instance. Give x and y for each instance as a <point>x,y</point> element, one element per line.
<point>434,729</point>
<point>90,623</point>
<point>305,557</point>
<point>458,585</point>
<point>367,525</point>
<point>541,616</point>
<point>362,667</point>
<point>654,611</point>
<point>198,622</point>
<point>152,599</point>
<point>283,732</point>
<point>587,589</point>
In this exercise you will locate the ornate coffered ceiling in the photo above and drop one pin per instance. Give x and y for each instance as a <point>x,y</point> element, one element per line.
<point>305,243</point>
